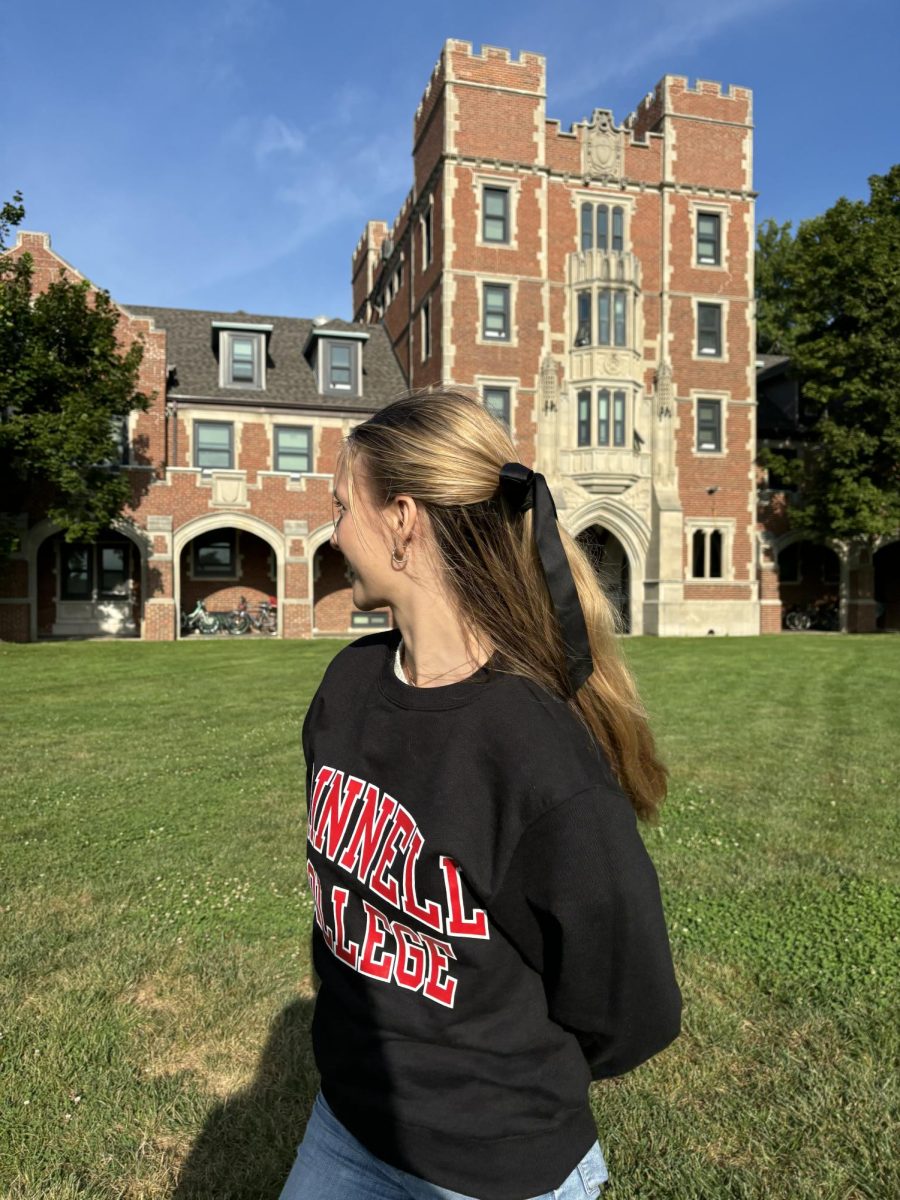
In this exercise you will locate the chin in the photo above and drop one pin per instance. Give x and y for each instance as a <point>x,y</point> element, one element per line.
<point>363,602</point>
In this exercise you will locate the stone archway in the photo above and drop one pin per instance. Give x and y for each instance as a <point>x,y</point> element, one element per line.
<point>94,615</point>
<point>808,572</point>
<point>625,529</point>
<point>610,562</point>
<point>238,581</point>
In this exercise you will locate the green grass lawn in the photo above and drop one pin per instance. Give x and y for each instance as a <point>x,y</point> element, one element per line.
<point>155,990</point>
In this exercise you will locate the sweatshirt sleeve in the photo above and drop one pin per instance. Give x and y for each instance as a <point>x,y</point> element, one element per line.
<point>581,900</point>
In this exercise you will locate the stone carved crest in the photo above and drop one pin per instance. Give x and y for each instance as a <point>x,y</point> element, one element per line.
<point>615,364</point>
<point>603,147</point>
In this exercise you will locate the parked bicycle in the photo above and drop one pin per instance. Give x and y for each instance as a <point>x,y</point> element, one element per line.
<point>819,614</point>
<point>242,619</point>
<point>199,621</point>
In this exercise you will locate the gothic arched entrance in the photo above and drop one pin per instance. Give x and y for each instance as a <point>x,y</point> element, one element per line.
<point>610,562</point>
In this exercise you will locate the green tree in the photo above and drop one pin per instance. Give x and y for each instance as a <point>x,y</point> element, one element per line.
<point>66,386</point>
<point>843,331</point>
<point>775,317</point>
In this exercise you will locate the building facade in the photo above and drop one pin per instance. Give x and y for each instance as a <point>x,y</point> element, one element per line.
<point>595,286</point>
<point>231,473</point>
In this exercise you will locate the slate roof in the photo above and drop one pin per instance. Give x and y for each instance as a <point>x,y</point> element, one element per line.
<point>290,379</point>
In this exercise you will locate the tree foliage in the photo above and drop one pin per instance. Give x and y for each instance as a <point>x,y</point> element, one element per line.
<point>66,385</point>
<point>836,289</point>
<point>774,288</point>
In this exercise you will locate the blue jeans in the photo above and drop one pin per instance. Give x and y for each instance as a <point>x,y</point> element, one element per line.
<point>332,1165</point>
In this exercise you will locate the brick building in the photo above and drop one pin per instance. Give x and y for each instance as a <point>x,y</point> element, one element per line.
<point>231,472</point>
<point>596,286</point>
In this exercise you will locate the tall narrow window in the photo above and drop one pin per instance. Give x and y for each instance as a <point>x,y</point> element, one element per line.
<point>618,418</point>
<point>603,417</point>
<point>587,218</point>
<point>715,554</point>
<point>709,238</point>
<point>698,543</point>
<point>584,418</point>
<point>113,570</point>
<point>76,571</point>
<point>603,317</point>
<point>496,401</point>
<point>214,445</point>
<point>340,367</point>
<point>583,334</point>
<point>242,359</point>
<point>496,311</point>
<point>709,425</point>
<point>619,319</point>
<point>602,227</point>
<point>709,329</point>
<point>495,222</point>
<point>426,329</point>
<point>427,245</point>
<point>618,229</point>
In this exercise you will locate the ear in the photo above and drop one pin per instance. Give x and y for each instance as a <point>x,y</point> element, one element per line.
<point>404,515</point>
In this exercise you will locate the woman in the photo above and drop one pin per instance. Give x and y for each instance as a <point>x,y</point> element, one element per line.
<point>489,935</point>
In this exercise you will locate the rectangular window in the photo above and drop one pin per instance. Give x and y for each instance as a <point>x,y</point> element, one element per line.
<point>426,329</point>
<point>339,367</point>
<point>76,572</point>
<point>603,317</point>
<point>496,401</point>
<point>709,424</point>
<point>618,418</point>
<point>214,554</point>
<point>709,329</point>
<point>427,246</point>
<point>583,334</point>
<point>496,311</point>
<point>603,417</point>
<point>584,418</point>
<point>495,219</point>
<point>243,359</point>
<point>293,449</point>
<point>708,238</point>
<point>587,232</point>
<point>619,323</point>
<point>214,445</point>
<point>602,227</point>
<point>618,229</point>
<point>113,570</point>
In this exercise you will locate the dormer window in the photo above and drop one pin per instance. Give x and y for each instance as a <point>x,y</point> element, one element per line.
<point>340,367</point>
<point>242,354</point>
<point>336,356</point>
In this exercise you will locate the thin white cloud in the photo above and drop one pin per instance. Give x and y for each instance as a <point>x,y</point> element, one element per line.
<point>662,34</point>
<point>277,137</point>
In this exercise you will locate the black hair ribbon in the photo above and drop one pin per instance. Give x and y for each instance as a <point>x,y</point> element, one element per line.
<point>525,489</point>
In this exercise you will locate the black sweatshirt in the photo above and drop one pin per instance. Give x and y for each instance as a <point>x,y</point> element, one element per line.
<point>489,934</point>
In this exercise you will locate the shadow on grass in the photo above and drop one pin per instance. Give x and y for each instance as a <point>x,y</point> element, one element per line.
<point>249,1142</point>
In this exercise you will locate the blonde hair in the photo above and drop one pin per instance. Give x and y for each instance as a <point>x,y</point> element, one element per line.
<point>445,450</point>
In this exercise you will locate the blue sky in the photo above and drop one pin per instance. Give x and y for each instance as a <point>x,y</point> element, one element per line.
<point>226,154</point>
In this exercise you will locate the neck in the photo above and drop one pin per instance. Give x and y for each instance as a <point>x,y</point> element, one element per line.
<point>436,651</point>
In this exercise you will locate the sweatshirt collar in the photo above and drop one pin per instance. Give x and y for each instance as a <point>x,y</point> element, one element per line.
<point>452,695</point>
